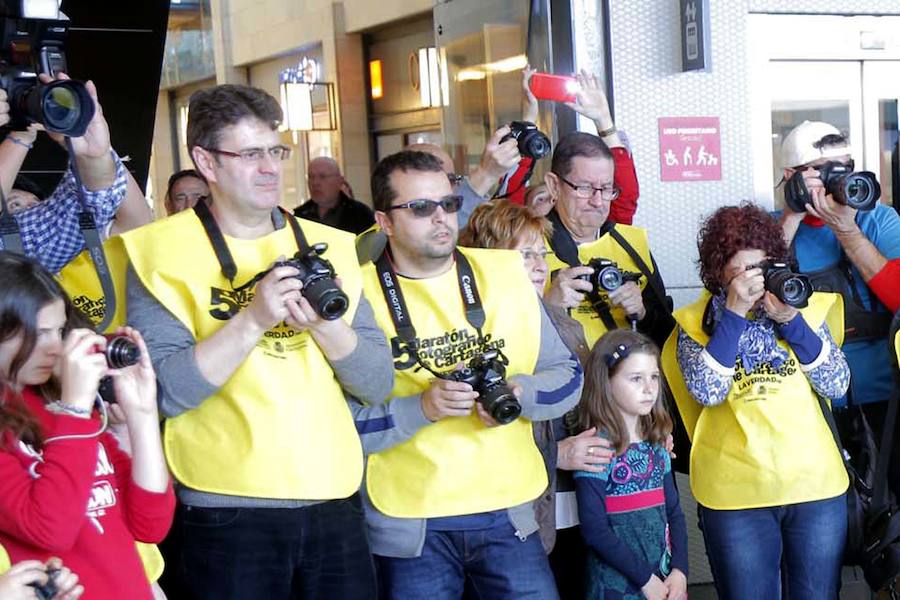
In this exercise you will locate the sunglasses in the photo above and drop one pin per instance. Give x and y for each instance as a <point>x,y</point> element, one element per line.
<point>426,208</point>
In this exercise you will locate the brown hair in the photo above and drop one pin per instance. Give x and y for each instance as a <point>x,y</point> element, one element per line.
<point>597,408</point>
<point>213,109</point>
<point>501,224</point>
<point>728,231</point>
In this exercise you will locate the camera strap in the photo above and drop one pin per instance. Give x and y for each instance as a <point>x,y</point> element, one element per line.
<point>94,245</point>
<point>393,295</point>
<point>220,246</point>
<point>9,228</point>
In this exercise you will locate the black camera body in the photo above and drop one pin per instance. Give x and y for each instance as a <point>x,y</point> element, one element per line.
<point>856,189</point>
<point>33,43</point>
<point>792,288</point>
<point>607,276</point>
<point>486,374</point>
<point>319,287</point>
<point>532,142</point>
<point>49,590</point>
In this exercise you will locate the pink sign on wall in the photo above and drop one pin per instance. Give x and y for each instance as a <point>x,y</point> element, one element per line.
<point>689,149</point>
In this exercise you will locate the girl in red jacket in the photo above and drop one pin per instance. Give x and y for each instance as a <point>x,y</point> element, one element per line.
<point>66,488</point>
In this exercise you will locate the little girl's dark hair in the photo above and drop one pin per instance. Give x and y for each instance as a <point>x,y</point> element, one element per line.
<point>597,409</point>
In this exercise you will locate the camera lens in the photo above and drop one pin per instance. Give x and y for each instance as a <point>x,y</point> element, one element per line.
<point>326,298</point>
<point>609,278</point>
<point>62,106</point>
<point>501,404</point>
<point>536,145</point>
<point>858,190</point>
<point>789,287</point>
<point>122,352</point>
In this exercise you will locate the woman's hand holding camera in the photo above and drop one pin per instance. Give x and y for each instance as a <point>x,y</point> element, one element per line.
<point>777,310</point>
<point>744,290</point>
<point>81,368</point>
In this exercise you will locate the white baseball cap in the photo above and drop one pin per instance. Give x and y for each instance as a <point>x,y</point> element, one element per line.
<point>802,145</point>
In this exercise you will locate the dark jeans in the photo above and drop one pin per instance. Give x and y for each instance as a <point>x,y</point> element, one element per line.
<point>568,561</point>
<point>317,552</point>
<point>491,564</point>
<point>748,548</point>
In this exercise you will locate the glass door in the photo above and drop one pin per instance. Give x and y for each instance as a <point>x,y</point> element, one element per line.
<point>881,96</point>
<point>798,94</point>
<point>482,51</point>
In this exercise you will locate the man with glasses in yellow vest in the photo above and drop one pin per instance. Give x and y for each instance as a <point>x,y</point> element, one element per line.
<point>254,357</point>
<point>453,467</point>
<point>581,183</point>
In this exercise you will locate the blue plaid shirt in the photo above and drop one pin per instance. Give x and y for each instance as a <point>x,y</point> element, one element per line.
<point>49,229</point>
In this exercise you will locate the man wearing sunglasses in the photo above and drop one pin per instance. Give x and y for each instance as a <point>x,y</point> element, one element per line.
<point>252,380</point>
<point>449,488</point>
<point>855,253</point>
<point>581,183</point>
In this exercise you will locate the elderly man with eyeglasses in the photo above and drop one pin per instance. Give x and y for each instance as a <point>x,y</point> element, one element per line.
<point>329,203</point>
<point>253,378</point>
<point>581,183</point>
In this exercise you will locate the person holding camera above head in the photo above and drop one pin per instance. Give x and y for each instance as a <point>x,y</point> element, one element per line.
<point>747,366</point>
<point>66,488</point>
<point>602,271</point>
<point>255,342</point>
<point>50,230</point>
<point>453,468</point>
<point>849,243</point>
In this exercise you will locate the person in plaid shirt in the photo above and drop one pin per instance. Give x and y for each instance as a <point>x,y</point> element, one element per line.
<point>49,230</point>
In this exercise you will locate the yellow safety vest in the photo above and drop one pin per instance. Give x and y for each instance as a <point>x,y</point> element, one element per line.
<point>605,247</point>
<point>768,443</point>
<point>457,466</point>
<point>280,426</point>
<point>79,279</point>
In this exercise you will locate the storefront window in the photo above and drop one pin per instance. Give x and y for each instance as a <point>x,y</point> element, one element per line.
<point>189,51</point>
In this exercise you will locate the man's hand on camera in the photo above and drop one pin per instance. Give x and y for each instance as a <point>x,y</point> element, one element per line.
<point>496,160</point>
<point>271,297</point>
<point>446,398</point>
<point>840,218</point>
<point>629,297</point>
<point>566,289</point>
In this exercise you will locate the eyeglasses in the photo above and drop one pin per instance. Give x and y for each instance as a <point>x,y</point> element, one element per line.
<point>585,191</point>
<point>426,208</point>
<point>255,155</point>
<point>529,254</point>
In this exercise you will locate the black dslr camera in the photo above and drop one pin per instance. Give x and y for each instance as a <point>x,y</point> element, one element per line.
<point>319,287</point>
<point>32,42</point>
<point>856,189</point>
<point>607,276</point>
<point>486,374</point>
<point>532,143</point>
<point>792,288</point>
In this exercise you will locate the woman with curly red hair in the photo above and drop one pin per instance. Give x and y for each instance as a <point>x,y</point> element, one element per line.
<point>747,371</point>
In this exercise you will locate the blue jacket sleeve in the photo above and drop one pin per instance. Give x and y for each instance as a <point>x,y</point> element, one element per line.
<point>677,525</point>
